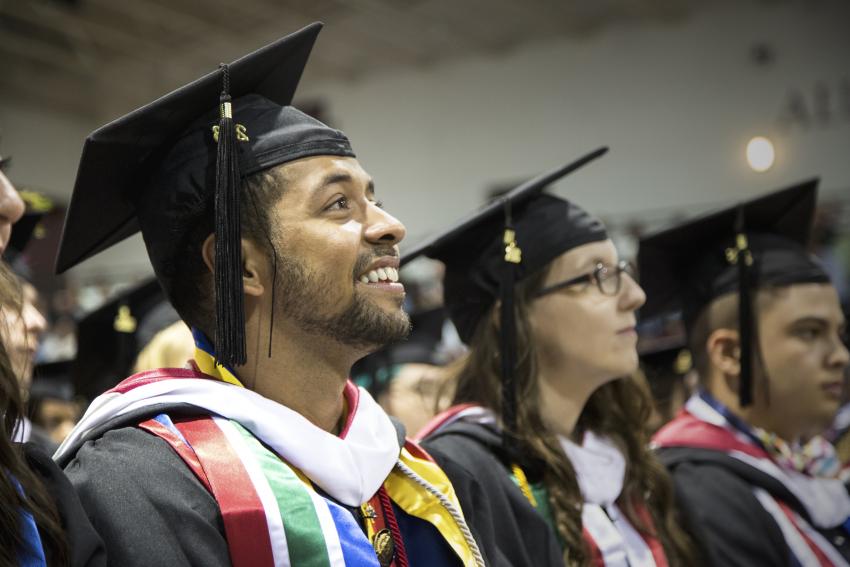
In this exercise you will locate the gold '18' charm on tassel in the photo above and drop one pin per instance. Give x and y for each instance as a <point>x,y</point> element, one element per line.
<point>741,249</point>
<point>513,253</point>
<point>241,133</point>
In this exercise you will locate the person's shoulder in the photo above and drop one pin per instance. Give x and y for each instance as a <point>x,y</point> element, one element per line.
<point>468,444</point>
<point>124,453</point>
<point>711,478</point>
<point>725,516</point>
<point>127,479</point>
<point>469,459</point>
<point>84,544</point>
<point>509,529</point>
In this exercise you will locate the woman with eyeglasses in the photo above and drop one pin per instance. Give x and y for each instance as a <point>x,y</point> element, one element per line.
<point>563,475</point>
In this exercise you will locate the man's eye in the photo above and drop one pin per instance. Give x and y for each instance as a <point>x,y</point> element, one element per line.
<point>338,205</point>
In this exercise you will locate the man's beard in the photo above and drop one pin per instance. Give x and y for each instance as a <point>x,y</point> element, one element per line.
<point>361,324</point>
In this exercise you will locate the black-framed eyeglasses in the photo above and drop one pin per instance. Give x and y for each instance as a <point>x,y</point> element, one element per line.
<point>607,278</point>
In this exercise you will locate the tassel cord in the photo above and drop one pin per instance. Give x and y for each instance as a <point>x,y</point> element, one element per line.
<point>229,293</point>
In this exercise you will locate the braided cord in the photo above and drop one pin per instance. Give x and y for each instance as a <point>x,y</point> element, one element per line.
<point>447,504</point>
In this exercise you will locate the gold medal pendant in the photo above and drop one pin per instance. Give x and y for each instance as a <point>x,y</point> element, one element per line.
<point>384,547</point>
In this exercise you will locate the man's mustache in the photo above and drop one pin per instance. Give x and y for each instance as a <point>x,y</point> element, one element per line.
<point>365,259</point>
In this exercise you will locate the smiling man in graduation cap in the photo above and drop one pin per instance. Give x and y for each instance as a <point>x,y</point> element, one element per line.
<point>264,231</point>
<point>765,330</point>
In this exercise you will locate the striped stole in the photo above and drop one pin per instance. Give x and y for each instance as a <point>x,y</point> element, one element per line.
<point>272,514</point>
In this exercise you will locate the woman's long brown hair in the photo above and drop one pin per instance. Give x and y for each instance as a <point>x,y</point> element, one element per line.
<point>35,498</point>
<point>619,410</point>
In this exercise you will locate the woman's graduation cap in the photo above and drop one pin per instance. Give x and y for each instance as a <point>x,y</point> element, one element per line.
<point>164,168</point>
<point>503,243</point>
<point>753,245</point>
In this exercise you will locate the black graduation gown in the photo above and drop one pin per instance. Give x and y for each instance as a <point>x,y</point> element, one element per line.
<point>714,492</point>
<point>143,499</point>
<point>509,529</point>
<point>85,547</point>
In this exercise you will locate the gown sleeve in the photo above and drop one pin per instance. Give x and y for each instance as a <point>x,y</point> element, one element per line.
<point>147,505</point>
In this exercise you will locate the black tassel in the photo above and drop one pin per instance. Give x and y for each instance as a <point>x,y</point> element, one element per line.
<point>507,337</point>
<point>229,294</point>
<point>745,312</point>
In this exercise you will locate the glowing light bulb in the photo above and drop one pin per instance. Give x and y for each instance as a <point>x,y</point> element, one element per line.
<point>760,154</point>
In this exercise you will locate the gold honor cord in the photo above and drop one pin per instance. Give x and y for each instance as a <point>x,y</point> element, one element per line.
<point>521,479</point>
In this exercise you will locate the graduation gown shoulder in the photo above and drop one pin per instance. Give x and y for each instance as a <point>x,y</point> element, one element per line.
<point>145,502</point>
<point>85,547</point>
<point>728,522</point>
<point>509,530</point>
<point>715,493</point>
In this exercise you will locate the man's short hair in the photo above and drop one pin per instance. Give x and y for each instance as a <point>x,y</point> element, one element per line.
<point>191,290</point>
<point>722,313</point>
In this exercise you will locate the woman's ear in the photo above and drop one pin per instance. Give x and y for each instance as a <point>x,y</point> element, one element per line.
<point>724,352</point>
<point>252,260</point>
<point>254,268</point>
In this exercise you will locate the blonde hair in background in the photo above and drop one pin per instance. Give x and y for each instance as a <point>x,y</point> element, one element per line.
<point>169,348</point>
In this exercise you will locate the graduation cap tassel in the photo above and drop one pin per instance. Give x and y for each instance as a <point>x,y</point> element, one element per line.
<point>230,307</point>
<point>513,256</point>
<point>744,261</point>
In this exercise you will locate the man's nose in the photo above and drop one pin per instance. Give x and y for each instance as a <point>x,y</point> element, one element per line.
<point>383,228</point>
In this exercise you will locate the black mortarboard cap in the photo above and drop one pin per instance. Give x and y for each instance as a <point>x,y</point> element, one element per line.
<point>761,242</point>
<point>108,340</point>
<point>36,206</point>
<point>503,243</point>
<point>179,161</point>
<point>52,380</point>
<point>473,251</point>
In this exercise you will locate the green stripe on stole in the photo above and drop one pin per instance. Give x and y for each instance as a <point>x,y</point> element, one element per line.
<point>304,535</point>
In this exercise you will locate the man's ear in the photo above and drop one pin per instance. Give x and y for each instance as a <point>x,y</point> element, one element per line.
<point>208,252</point>
<point>254,266</point>
<point>724,352</point>
<point>252,259</point>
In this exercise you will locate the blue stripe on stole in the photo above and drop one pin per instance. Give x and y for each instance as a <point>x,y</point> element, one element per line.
<point>165,420</point>
<point>356,549</point>
<point>33,554</point>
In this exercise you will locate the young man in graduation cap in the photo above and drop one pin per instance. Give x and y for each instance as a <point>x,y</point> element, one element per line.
<point>262,452</point>
<point>765,331</point>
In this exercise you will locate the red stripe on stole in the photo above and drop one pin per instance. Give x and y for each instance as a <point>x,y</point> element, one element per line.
<point>648,535</point>
<point>823,560</point>
<point>439,420</point>
<point>158,375</point>
<point>686,430</point>
<point>652,542</point>
<point>596,559</point>
<point>418,451</point>
<point>352,400</point>
<point>245,523</point>
<point>183,451</point>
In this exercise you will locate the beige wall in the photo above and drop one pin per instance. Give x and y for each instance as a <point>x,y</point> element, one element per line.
<point>676,103</point>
